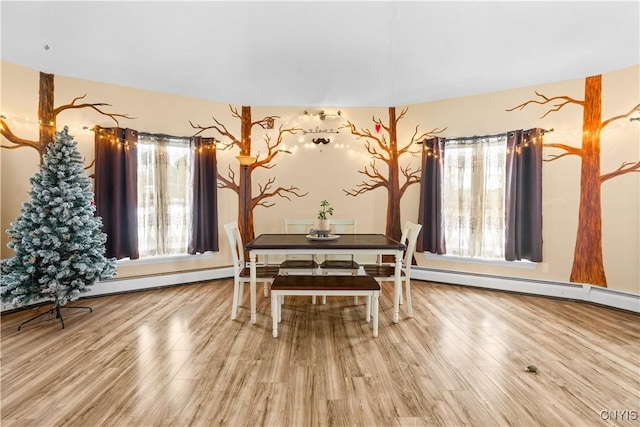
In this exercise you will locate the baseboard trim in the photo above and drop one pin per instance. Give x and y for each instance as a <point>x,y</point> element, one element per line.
<point>130,284</point>
<point>567,290</point>
<point>157,281</point>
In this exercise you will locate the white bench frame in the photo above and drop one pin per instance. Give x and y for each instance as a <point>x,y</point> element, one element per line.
<point>372,296</point>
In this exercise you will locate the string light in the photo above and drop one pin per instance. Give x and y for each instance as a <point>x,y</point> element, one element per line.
<point>104,133</point>
<point>519,147</point>
<point>26,120</point>
<point>213,145</point>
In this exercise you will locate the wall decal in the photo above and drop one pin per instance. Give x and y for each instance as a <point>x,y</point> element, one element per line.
<point>318,129</point>
<point>588,266</point>
<point>47,114</point>
<point>385,149</point>
<point>248,163</point>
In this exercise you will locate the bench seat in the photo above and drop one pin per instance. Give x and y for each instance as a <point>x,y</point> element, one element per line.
<point>326,286</point>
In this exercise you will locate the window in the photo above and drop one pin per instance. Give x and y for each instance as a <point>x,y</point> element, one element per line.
<point>474,197</point>
<point>165,205</point>
<point>156,194</point>
<point>482,196</point>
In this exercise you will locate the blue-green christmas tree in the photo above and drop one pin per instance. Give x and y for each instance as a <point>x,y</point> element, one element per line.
<point>58,243</point>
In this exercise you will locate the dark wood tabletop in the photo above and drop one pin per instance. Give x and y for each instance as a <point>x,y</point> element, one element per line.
<point>345,241</point>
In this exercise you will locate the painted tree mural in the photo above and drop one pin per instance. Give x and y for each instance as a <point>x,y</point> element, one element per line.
<point>47,115</point>
<point>246,202</point>
<point>588,266</point>
<point>384,148</point>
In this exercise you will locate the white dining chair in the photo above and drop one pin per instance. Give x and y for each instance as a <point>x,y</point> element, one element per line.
<point>241,271</point>
<point>385,272</point>
<point>302,264</point>
<point>338,264</point>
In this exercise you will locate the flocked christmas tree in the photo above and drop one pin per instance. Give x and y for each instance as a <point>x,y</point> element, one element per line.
<point>58,243</point>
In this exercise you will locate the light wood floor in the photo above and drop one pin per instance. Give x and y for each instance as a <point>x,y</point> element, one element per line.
<point>173,357</point>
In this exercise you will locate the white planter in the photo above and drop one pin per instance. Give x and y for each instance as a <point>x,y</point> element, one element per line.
<point>323,224</point>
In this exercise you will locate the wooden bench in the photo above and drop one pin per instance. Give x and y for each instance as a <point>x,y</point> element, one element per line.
<point>325,286</point>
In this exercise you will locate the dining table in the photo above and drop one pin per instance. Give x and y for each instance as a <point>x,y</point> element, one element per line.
<point>266,245</point>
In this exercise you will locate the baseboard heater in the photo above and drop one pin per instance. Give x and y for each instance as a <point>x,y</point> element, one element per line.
<point>567,290</point>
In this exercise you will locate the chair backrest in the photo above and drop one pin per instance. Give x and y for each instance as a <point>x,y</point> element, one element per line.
<point>410,238</point>
<point>298,226</point>
<point>343,226</point>
<point>237,248</point>
<point>403,239</point>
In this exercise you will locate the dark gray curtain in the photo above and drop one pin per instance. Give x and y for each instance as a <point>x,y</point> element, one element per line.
<point>430,215</point>
<point>116,193</point>
<point>204,226</point>
<point>523,196</point>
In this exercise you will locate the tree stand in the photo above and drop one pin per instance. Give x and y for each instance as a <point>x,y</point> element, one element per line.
<point>55,310</point>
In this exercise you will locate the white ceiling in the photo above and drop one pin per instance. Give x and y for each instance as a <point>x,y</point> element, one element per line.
<point>322,53</point>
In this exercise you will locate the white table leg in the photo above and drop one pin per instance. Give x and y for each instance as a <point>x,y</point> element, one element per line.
<point>275,305</point>
<point>397,286</point>
<point>266,285</point>
<point>367,316</point>
<point>375,313</point>
<point>252,286</point>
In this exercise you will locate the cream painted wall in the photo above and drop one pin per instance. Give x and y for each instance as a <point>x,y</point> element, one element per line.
<point>152,112</point>
<point>620,142</point>
<point>324,171</point>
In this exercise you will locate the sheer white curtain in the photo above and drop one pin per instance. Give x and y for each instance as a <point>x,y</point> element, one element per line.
<point>164,195</point>
<point>473,197</point>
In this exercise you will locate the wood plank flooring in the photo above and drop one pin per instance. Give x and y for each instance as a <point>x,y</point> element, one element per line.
<point>173,357</point>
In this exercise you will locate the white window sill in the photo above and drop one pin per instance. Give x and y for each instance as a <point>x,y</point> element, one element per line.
<point>158,259</point>
<point>526,265</point>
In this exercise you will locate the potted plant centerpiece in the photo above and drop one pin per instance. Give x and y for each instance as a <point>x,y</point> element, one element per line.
<point>325,210</point>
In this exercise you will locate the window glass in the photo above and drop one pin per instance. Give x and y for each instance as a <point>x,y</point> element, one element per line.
<point>164,195</point>
<point>473,197</point>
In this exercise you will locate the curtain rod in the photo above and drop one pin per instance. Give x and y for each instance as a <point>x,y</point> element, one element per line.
<point>495,135</point>
<point>155,135</point>
<point>163,135</point>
